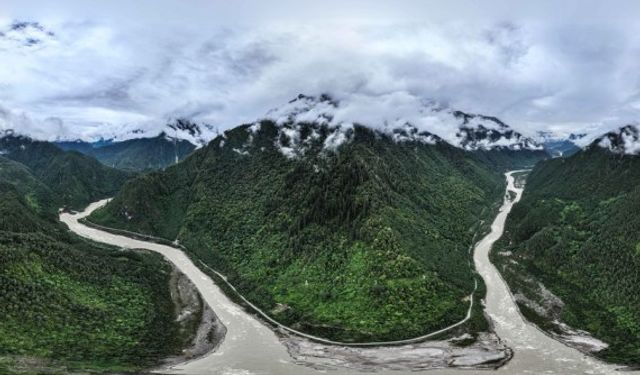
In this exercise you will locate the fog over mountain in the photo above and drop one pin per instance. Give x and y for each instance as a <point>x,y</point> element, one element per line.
<point>87,71</point>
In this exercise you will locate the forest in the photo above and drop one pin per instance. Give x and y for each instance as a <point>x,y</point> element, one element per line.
<point>368,243</point>
<point>71,304</point>
<point>577,231</point>
<point>73,178</point>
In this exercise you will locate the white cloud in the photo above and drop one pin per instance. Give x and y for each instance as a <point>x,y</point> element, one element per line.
<point>113,68</point>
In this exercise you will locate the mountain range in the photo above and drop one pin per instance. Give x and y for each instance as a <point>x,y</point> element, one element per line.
<point>348,230</point>
<point>74,179</point>
<point>338,190</point>
<point>136,155</point>
<point>368,227</point>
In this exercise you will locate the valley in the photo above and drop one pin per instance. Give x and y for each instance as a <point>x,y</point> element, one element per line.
<point>250,346</point>
<point>370,241</point>
<point>341,248</point>
<point>305,188</point>
<point>570,252</point>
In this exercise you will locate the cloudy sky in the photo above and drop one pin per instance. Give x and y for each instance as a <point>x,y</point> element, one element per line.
<point>87,70</point>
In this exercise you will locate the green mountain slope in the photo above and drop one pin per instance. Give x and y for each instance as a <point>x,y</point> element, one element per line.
<point>577,231</point>
<point>367,243</point>
<point>36,194</point>
<point>140,154</point>
<point>65,302</point>
<point>74,179</point>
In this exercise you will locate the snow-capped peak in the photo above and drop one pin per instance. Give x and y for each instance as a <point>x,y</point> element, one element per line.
<point>625,140</point>
<point>198,134</point>
<point>7,133</point>
<point>479,132</point>
<point>404,118</point>
<point>305,109</point>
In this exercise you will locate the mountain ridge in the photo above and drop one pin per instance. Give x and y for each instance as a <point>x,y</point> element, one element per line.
<point>374,207</point>
<point>428,118</point>
<point>75,179</point>
<point>624,140</point>
<point>137,154</point>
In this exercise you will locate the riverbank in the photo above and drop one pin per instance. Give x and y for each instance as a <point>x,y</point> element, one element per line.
<point>204,331</point>
<point>487,351</point>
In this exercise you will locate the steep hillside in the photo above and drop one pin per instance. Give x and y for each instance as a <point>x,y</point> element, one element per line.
<point>345,232</point>
<point>139,154</point>
<point>35,193</point>
<point>577,232</point>
<point>74,179</point>
<point>65,302</point>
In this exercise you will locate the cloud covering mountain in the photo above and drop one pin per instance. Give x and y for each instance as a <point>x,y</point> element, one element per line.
<point>399,115</point>
<point>79,71</point>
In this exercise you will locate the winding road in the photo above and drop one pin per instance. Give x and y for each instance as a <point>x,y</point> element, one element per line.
<point>250,347</point>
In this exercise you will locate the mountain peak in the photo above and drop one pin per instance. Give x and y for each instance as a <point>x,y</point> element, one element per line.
<point>404,118</point>
<point>625,140</point>
<point>305,109</point>
<point>7,133</point>
<point>198,134</point>
<point>480,132</point>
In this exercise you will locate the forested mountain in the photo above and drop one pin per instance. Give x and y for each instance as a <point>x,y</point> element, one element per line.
<point>74,179</point>
<point>18,177</point>
<point>577,231</point>
<point>68,303</point>
<point>346,232</point>
<point>139,154</point>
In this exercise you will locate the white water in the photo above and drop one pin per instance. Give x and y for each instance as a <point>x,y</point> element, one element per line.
<point>250,347</point>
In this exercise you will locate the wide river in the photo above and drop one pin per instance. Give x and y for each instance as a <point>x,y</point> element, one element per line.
<point>250,347</point>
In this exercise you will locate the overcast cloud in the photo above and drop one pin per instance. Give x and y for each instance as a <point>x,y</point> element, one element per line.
<point>87,70</point>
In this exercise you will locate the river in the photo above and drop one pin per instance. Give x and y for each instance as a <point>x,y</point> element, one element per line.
<point>250,347</point>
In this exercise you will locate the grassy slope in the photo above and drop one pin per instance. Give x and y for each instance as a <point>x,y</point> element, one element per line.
<point>577,230</point>
<point>70,301</point>
<point>369,243</point>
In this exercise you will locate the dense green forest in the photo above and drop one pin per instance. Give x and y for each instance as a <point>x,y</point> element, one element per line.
<point>577,230</point>
<point>140,154</point>
<point>367,243</point>
<point>74,179</point>
<point>68,303</point>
